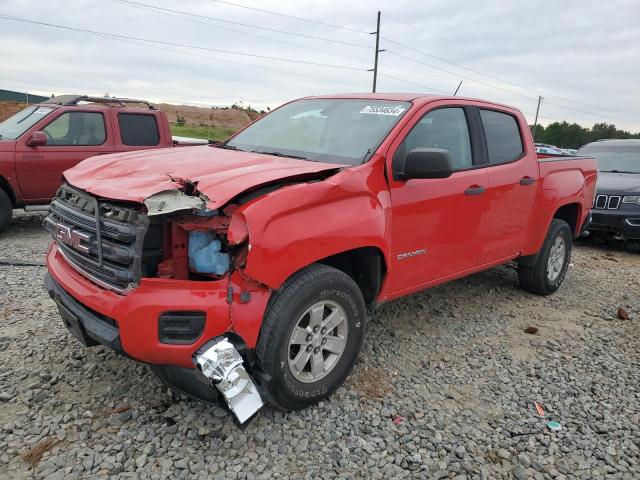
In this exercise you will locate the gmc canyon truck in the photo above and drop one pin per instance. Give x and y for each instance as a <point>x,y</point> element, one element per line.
<point>43,140</point>
<point>246,271</point>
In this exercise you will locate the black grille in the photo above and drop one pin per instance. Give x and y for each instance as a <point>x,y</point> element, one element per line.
<point>607,202</point>
<point>110,257</point>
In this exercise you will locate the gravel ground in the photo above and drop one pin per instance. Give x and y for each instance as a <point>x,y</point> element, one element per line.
<point>444,388</point>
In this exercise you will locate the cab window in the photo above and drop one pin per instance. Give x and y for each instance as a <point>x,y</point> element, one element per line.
<point>138,130</point>
<point>504,143</point>
<point>76,128</point>
<point>444,128</point>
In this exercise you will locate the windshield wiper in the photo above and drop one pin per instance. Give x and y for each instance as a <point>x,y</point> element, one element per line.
<point>229,147</point>
<point>280,154</point>
<point>617,171</point>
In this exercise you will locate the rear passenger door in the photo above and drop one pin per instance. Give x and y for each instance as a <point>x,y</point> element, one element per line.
<point>138,131</point>
<point>511,191</point>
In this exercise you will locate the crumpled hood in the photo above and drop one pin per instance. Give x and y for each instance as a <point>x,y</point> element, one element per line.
<point>618,183</point>
<point>218,174</point>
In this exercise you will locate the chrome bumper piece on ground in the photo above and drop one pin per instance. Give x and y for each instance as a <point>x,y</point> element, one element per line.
<point>222,365</point>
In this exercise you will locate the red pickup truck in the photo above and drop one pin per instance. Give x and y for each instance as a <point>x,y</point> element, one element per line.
<point>252,266</point>
<point>43,140</point>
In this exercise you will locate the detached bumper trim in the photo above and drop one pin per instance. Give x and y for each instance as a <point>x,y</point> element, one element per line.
<point>89,327</point>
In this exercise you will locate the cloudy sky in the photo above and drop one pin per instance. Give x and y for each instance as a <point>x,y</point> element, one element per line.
<point>582,56</point>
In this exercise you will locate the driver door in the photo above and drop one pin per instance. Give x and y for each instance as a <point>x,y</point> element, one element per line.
<point>72,136</point>
<point>436,222</point>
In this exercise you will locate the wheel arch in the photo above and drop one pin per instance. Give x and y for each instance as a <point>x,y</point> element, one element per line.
<point>6,186</point>
<point>570,213</point>
<point>365,265</point>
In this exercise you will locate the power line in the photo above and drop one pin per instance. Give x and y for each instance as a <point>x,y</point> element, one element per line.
<point>274,30</point>
<point>413,83</point>
<point>459,76</point>
<point>181,45</point>
<point>599,115</point>
<point>163,11</point>
<point>309,20</point>
<point>217,59</point>
<point>235,62</point>
<point>355,7</point>
<point>453,63</point>
<point>502,80</point>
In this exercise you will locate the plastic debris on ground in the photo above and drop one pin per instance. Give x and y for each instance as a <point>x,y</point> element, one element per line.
<point>554,426</point>
<point>623,314</point>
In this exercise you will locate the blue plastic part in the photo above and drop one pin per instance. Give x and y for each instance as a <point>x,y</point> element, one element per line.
<point>205,255</point>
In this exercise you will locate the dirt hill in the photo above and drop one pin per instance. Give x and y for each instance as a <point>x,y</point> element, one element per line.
<point>217,117</point>
<point>9,108</point>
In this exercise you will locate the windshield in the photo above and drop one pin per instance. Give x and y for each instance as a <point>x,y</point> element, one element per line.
<point>22,121</point>
<point>614,158</point>
<point>342,131</point>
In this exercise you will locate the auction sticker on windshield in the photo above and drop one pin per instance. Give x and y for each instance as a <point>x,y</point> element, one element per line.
<point>43,111</point>
<point>394,111</point>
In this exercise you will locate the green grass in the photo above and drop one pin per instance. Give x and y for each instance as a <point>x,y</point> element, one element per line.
<point>207,133</point>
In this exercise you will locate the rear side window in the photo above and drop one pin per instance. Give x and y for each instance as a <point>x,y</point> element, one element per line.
<point>76,128</point>
<point>138,130</point>
<point>503,136</point>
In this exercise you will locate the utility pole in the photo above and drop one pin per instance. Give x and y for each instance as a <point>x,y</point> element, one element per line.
<point>535,124</point>
<point>456,92</point>
<point>375,61</point>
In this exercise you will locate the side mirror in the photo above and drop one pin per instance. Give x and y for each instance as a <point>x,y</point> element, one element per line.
<point>425,163</point>
<point>37,139</point>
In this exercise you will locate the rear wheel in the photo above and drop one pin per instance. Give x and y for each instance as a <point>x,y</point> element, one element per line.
<point>545,275</point>
<point>6,210</point>
<point>311,336</point>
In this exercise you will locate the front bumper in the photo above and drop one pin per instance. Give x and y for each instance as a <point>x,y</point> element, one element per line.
<point>129,323</point>
<point>616,222</point>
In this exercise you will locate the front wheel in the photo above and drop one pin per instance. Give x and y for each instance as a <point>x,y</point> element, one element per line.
<point>310,336</point>
<point>545,275</point>
<point>6,210</point>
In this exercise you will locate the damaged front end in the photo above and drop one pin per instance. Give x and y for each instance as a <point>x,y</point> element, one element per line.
<point>195,239</point>
<point>201,244</point>
<point>127,247</point>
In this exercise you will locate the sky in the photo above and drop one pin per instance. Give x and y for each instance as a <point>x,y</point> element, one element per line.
<point>582,56</point>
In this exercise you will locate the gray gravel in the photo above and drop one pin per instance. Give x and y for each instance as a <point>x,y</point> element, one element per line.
<point>444,388</point>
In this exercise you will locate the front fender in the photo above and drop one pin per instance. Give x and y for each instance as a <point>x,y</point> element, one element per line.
<point>298,225</point>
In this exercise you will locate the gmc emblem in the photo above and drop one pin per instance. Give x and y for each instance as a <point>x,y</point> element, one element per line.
<point>71,237</point>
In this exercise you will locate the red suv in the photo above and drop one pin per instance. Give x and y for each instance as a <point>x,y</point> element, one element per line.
<point>43,140</point>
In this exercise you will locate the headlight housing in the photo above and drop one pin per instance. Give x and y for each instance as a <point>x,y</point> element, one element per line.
<point>631,199</point>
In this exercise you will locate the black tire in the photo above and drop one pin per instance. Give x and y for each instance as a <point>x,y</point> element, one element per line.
<point>6,210</point>
<point>309,287</point>
<point>534,276</point>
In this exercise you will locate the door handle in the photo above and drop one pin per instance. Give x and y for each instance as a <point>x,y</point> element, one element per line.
<point>527,181</point>
<point>474,190</point>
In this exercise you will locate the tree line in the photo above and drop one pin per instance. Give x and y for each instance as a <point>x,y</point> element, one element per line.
<point>572,135</point>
